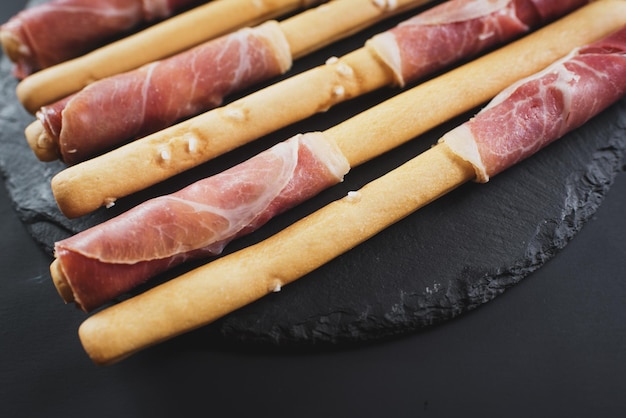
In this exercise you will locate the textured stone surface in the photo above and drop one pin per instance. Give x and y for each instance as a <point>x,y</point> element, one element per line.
<point>448,258</point>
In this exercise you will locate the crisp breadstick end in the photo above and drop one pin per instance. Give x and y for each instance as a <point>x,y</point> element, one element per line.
<point>60,282</point>
<point>44,147</point>
<point>90,335</point>
<point>87,332</point>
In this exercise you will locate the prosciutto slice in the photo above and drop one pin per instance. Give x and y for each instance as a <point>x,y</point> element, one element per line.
<point>103,262</point>
<point>159,94</point>
<point>59,30</point>
<point>542,108</point>
<point>460,29</point>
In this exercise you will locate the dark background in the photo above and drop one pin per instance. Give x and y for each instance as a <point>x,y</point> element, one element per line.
<point>553,345</point>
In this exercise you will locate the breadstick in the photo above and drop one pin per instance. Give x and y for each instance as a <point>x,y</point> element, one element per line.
<point>216,289</point>
<point>101,181</point>
<point>159,41</point>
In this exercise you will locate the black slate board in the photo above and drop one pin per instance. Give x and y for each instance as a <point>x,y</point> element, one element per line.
<point>448,258</point>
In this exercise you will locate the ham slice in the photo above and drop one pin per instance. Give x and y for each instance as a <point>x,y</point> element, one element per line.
<point>159,94</point>
<point>112,258</point>
<point>542,108</point>
<point>460,29</point>
<point>58,30</point>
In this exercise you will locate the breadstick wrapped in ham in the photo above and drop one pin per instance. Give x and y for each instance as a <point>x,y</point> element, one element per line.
<point>572,91</point>
<point>540,109</point>
<point>101,263</point>
<point>459,29</point>
<point>59,30</point>
<point>152,97</point>
<point>136,103</point>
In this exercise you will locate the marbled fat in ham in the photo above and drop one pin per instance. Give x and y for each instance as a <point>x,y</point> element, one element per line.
<point>112,258</point>
<point>143,101</point>
<point>59,30</point>
<point>459,29</point>
<point>542,108</point>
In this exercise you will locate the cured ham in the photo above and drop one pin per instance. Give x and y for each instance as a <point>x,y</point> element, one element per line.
<point>460,29</point>
<point>198,221</point>
<point>158,94</point>
<point>542,108</point>
<point>58,30</point>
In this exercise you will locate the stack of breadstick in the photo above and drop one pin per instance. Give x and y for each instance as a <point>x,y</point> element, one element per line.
<point>122,273</point>
<point>205,294</point>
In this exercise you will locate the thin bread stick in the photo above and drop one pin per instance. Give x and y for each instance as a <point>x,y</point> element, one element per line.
<point>216,289</point>
<point>101,181</point>
<point>159,41</point>
<point>210,292</point>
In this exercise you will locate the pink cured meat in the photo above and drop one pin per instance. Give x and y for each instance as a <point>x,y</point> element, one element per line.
<point>133,104</point>
<point>59,30</point>
<point>542,108</point>
<point>459,29</point>
<point>114,257</point>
